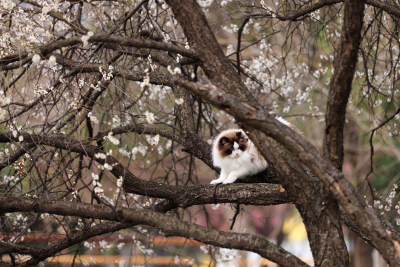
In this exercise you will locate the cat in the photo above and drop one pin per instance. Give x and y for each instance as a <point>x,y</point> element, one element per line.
<point>236,155</point>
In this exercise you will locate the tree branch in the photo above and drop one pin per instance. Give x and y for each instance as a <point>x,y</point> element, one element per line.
<point>40,254</point>
<point>299,14</point>
<point>45,50</point>
<point>193,195</point>
<point>343,191</point>
<point>387,6</point>
<point>215,64</point>
<point>341,83</point>
<point>170,225</point>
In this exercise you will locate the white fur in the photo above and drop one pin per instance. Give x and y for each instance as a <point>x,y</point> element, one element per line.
<point>238,164</point>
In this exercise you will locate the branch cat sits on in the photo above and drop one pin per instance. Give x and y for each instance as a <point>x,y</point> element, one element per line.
<point>236,155</point>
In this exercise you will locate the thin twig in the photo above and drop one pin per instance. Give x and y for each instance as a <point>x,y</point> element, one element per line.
<point>235,215</point>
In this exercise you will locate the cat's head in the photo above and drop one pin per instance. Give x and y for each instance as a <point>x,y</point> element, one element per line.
<point>232,143</point>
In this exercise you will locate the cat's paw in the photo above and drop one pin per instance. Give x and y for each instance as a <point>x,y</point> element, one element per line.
<point>229,181</point>
<point>216,181</point>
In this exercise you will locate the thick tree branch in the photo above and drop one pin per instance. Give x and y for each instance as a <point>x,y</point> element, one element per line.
<point>222,74</point>
<point>297,15</point>
<point>340,91</point>
<point>341,83</point>
<point>45,50</point>
<point>215,64</point>
<point>40,254</point>
<point>182,196</point>
<point>170,225</point>
<point>387,6</point>
<point>343,191</point>
<point>320,217</point>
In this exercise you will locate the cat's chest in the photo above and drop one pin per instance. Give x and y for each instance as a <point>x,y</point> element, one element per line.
<point>244,161</point>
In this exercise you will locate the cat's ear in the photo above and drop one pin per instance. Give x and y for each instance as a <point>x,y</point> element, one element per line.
<point>239,134</point>
<point>223,140</point>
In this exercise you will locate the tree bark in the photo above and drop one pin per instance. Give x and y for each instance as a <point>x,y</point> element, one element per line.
<point>342,190</point>
<point>321,221</point>
<point>169,225</point>
<point>340,88</point>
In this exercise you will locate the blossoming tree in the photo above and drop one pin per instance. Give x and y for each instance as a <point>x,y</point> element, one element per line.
<point>108,109</point>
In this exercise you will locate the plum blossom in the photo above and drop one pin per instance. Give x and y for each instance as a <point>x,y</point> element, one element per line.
<point>155,140</point>
<point>150,118</point>
<point>205,3</point>
<point>36,59</point>
<point>111,138</point>
<point>100,155</point>
<point>119,182</point>
<point>146,81</point>
<point>52,61</point>
<point>85,38</point>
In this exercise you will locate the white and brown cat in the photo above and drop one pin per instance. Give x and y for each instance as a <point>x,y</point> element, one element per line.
<point>236,155</point>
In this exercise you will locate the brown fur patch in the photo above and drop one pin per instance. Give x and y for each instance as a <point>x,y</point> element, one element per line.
<point>226,142</point>
<point>260,156</point>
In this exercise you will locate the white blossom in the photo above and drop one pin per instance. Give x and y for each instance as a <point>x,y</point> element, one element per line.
<point>174,71</point>
<point>107,166</point>
<point>85,38</point>
<point>111,138</point>
<point>119,181</point>
<point>9,4</point>
<point>52,61</point>
<point>150,118</point>
<point>100,155</point>
<point>95,176</point>
<point>93,118</point>
<point>36,58</point>
<point>98,190</point>
<point>155,140</point>
<point>4,100</point>
<point>146,81</point>
<point>205,3</point>
<point>134,152</point>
